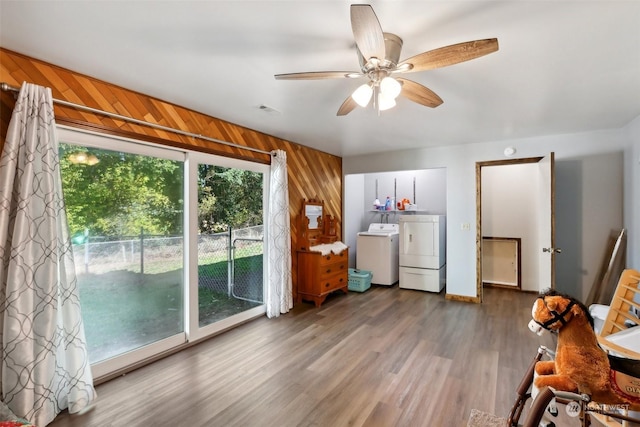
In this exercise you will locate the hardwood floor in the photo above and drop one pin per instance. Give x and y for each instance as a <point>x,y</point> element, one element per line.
<point>386,357</point>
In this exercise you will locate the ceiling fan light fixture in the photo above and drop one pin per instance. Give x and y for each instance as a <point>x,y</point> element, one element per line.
<point>362,95</point>
<point>390,87</point>
<point>385,102</point>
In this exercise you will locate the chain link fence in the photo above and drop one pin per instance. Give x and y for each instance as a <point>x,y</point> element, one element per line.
<point>229,262</point>
<point>247,269</point>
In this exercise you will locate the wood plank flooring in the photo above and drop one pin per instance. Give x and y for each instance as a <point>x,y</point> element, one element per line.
<point>386,357</point>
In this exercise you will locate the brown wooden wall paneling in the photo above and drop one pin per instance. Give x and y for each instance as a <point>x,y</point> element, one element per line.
<point>311,173</point>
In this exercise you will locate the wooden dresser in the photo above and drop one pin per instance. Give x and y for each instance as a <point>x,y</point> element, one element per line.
<point>318,274</point>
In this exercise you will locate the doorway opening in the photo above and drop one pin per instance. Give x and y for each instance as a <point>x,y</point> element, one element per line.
<point>515,203</point>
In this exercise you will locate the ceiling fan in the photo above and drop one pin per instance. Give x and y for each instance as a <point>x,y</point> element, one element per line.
<point>379,54</point>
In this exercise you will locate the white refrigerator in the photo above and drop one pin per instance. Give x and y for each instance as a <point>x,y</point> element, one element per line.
<point>423,252</point>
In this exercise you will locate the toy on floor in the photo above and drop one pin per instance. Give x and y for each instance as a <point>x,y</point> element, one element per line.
<point>580,364</point>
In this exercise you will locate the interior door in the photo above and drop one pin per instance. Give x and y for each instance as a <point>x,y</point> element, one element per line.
<point>546,215</point>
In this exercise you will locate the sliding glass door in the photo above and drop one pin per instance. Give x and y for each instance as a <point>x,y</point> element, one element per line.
<point>168,244</point>
<point>229,223</point>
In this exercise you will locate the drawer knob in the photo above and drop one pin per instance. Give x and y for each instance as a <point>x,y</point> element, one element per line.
<point>326,285</point>
<point>328,270</point>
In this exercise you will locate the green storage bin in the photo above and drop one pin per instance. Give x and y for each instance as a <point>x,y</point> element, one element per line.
<point>359,280</point>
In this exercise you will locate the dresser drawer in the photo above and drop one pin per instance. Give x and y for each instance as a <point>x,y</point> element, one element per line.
<point>327,270</point>
<point>333,258</point>
<point>327,284</point>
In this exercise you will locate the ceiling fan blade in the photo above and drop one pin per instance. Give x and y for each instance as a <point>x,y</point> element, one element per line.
<point>367,32</point>
<point>319,75</point>
<point>450,55</point>
<point>347,106</point>
<point>418,93</point>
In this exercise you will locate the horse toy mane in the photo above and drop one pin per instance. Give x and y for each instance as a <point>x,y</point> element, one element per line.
<point>580,365</point>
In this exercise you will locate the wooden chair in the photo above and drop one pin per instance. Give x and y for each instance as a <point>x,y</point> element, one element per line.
<point>625,297</point>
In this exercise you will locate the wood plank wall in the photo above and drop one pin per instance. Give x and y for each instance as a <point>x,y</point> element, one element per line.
<point>312,173</point>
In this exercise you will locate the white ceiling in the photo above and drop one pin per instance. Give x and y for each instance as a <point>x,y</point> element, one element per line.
<point>562,67</point>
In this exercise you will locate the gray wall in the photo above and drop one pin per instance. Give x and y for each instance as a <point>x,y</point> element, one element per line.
<point>589,202</point>
<point>430,189</point>
<point>632,193</point>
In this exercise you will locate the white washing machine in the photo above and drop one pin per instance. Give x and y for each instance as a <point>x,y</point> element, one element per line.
<point>377,250</point>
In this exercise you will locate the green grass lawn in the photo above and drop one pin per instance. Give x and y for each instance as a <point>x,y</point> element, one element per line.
<point>124,310</point>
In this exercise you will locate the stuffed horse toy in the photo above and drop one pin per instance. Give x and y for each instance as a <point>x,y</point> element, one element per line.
<point>580,365</point>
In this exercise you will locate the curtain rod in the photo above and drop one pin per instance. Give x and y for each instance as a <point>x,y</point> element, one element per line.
<point>8,88</point>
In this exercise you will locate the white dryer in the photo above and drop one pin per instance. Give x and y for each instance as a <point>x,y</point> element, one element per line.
<point>423,252</point>
<point>377,250</point>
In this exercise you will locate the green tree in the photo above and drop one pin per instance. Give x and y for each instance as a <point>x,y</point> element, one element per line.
<point>122,194</point>
<point>228,197</point>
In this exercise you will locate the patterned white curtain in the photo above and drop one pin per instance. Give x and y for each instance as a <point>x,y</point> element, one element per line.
<point>45,366</point>
<point>279,297</point>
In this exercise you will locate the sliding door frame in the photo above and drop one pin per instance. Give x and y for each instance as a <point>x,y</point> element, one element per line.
<point>192,332</point>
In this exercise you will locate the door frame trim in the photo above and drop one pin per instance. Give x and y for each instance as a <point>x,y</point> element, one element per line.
<point>479,166</point>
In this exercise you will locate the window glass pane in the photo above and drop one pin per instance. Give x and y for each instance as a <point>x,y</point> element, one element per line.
<point>125,210</point>
<point>230,244</point>
<point>125,214</point>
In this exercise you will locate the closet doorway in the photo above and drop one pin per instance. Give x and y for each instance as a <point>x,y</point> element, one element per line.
<point>515,200</point>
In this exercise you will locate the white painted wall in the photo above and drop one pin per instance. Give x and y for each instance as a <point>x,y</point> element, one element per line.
<point>353,213</point>
<point>459,162</point>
